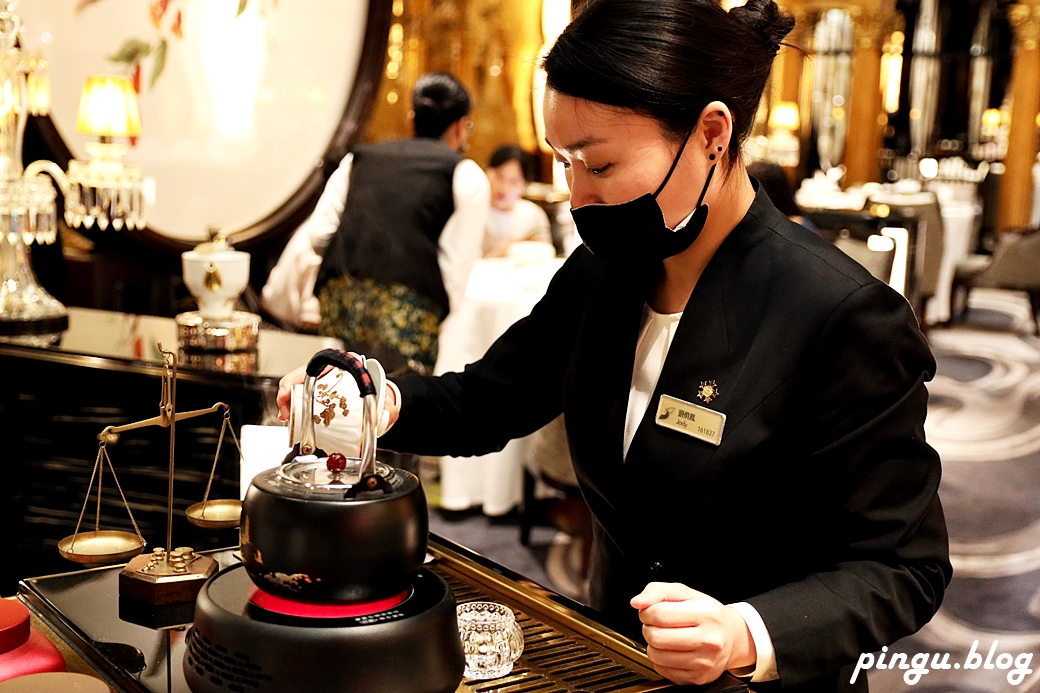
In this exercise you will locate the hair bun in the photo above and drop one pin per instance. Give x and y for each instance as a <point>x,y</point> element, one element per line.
<point>766,19</point>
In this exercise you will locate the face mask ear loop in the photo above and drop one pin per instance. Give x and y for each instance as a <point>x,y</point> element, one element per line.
<point>704,190</point>
<point>675,162</point>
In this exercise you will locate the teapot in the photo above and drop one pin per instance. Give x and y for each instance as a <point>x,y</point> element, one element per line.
<point>216,276</point>
<point>323,527</point>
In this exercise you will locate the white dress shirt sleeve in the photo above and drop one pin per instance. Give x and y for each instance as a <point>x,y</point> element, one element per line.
<point>289,291</point>
<point>324,221</point>
<point>765,666</point>
<point>462,239</point>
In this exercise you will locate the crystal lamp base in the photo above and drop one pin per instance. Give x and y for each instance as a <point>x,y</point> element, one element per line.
<point>28,314</point>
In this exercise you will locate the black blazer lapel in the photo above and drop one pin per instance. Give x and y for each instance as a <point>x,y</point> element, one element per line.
<point>719,330</point>
<point>597,385</point>
<point>701,351</point>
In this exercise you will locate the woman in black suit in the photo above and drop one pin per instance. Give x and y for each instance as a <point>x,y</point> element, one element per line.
<point>744,403</point>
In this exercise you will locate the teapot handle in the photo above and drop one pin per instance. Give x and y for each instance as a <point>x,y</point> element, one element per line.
<point>344,361</point>
<point>370,417</point>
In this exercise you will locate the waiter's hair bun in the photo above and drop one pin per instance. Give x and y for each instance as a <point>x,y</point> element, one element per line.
<point>668,59</point>
<point>765,18</point>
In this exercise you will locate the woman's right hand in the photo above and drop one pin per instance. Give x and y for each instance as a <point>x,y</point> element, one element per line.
<point>392,407</point>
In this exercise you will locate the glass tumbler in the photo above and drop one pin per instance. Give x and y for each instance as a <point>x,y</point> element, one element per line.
<point>491,639</point>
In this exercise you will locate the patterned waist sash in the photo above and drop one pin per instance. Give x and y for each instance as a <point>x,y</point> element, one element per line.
<point>384,316</point>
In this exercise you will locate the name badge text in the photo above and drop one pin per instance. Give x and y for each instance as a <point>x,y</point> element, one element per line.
<point>692,419</point>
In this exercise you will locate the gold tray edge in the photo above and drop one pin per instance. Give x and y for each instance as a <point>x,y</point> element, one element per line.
<point>536,599</point>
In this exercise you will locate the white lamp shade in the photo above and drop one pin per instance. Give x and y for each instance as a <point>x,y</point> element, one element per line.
<point>784,116</point>
<point>108,108</point>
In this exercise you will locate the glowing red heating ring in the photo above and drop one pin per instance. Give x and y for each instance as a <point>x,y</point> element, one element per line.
<point>288,607</point>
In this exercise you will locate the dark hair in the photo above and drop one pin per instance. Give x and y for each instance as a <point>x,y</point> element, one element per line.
<point>668,59</point>
<point>778,188</point>
<point>506,153</point>
<point>438,101</point>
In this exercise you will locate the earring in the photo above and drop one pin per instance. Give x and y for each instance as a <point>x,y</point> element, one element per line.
<point>712,157</point>
<point>720,149</point>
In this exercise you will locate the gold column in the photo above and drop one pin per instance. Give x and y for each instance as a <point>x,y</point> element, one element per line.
<point>1016,193</point>
<point>789,61</point>
<point>788,67</point>
<point>490,45</point>
<point>865,108</point>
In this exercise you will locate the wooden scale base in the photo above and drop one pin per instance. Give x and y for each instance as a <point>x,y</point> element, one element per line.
<point>153,579</point>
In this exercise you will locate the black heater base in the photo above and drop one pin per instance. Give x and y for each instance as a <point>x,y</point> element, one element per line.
<point>235,645</point>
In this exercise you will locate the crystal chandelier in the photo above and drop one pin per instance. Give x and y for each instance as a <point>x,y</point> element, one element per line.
<point>103,191</point>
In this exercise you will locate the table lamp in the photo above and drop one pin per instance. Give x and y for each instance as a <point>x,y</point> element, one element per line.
<point>783,143</point>
<point>102,191</point>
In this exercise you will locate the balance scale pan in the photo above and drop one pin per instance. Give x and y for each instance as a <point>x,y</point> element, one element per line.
<point>216,514</point>
<point>101,547</point>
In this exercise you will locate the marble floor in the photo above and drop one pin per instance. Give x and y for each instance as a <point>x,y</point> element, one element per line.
<point>984,419</point>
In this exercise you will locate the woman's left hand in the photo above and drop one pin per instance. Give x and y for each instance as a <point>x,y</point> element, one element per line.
<point>692,638</point>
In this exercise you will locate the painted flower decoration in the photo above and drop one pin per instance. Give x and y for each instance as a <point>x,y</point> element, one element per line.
<point>168,20</point>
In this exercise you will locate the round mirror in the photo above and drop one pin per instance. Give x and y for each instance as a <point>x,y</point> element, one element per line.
<point>240,100</point>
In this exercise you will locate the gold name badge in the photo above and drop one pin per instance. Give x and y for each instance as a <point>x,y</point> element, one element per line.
<point>691,419</point>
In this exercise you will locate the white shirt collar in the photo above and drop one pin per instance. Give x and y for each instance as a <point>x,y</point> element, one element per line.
<point>685,221</point>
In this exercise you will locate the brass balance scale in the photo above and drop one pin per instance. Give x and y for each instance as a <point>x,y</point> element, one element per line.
<point>167,575</point>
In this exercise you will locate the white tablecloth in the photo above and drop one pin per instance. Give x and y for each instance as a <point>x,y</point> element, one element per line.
<point>499,293</point>
<point>958,242</point>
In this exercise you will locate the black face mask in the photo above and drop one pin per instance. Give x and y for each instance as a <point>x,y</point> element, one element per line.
<point>635,231</point>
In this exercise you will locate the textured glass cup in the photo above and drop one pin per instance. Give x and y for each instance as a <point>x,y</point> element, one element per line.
<point>491,639</point>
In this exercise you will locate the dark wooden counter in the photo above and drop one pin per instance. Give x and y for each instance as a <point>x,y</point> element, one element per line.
<point>106,371</point>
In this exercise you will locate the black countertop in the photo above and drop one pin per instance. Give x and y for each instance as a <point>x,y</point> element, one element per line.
<point>124,342</point>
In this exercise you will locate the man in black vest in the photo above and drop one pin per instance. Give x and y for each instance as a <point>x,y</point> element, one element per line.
<point>398,227</point>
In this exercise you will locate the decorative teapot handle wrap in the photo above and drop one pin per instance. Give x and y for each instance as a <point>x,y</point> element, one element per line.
<point>370,417</point>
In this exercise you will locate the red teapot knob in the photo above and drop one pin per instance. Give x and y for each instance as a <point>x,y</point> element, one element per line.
<point>336,462</point>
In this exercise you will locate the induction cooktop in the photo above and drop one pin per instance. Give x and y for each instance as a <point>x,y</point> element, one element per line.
<point>241,641</point>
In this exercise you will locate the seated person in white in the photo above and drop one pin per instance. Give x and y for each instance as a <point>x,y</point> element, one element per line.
<point>512,218</point>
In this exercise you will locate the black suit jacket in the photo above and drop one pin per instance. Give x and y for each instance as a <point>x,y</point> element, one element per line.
<point>819,508</point>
